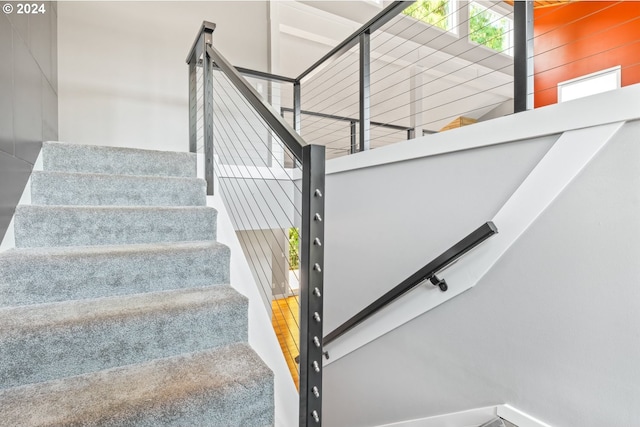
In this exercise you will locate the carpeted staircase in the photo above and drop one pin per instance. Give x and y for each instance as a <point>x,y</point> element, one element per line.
<point>115,306</point>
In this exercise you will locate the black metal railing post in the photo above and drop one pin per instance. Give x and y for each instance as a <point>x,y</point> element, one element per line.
<point>297,107</point>
<point>311,289</point>
<point>522,55</point>
<point>193,106</point>
<point>365,89</point>
<point>208,114</point>
<point>354,137</point>
<point>198,50</point>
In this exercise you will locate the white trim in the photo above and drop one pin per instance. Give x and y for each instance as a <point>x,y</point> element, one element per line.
<point>473,418</point>
<point>519,418</point>
<point>307,35</point>
<point>470,418</point>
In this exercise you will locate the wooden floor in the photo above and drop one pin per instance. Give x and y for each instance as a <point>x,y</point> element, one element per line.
<point>285,323</point>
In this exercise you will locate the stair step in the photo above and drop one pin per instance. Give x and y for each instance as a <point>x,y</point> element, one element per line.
<point>226,387</point>
<point>41,275</point>
<point>48,341</point>
<point>47,226</point>
<point>64,188</point>
<point>62,157</point>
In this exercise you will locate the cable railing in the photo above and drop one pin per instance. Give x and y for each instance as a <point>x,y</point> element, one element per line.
<point>272,185</point>
<point>435,65</point>
<point>411,73</point>
<point>406,73</point>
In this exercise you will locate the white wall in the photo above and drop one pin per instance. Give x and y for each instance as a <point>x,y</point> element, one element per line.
<point>550,329</point>
<point>122,71</point>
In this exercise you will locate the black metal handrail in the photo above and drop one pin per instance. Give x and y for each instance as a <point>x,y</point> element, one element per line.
<point>361,37</point>
<point>345,119</point>
<point>386,15</point>
<point>287,135</point>
<point>428,272</point>
<point>262,75</point>
<point>312,160</point>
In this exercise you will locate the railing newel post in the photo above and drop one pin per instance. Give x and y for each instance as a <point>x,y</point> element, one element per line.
<point>207,100</point>
<point>193,105</point>
<point>312,285</point>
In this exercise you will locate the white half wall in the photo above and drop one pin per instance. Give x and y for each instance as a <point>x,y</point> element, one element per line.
<point>262,337</point>
<point>550,327</point>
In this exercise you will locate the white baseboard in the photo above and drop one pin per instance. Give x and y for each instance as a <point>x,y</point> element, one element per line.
<point>473,418</point>
<point>519,418</point>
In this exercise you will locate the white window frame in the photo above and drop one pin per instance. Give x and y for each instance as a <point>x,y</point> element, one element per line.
<point>615,72</point>
<point>496,9</point>
<point>452,18</point>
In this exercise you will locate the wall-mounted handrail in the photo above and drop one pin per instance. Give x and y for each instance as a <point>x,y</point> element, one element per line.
<point>428,272</point>
<point>386,15</point>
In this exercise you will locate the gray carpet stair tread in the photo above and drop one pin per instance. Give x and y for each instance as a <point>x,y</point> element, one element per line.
<point>49,341</point>
<point>40,275</point>
<point>227,387</point>
<point>48,226</point>
<point>64,188</point>
<point>63,157</point>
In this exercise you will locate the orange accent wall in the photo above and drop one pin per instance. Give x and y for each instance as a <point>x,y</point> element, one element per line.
<point>583,37</point>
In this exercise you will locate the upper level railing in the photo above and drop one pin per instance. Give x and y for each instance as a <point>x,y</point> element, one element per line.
<point>413,71</point>
<point>227,125</point>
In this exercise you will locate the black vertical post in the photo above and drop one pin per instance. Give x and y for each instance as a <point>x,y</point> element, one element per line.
<point>365,89</point>
<point>193,105</point>
<point>296,106</point>
<point>354,137</point>
<point>522,54</point>
<point>311,286</point>
<point>207,71</point>
<point>411,133</point>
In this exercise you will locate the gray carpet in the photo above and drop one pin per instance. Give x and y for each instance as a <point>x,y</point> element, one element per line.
<point>115,308</point>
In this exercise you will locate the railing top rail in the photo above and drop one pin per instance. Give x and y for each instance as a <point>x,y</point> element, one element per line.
<point>345,119</point>
<point>264,75</point>
<point>445,259</point>
<point>287,135</point>
<point>372,25</point>
<point>208,27</point>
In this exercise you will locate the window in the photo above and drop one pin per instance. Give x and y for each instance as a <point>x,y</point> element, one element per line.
<point>598,82</point>
<point>438,13</point>
<point>490,28</point>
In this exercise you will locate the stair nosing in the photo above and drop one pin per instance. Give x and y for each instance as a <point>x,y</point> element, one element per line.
<point>122,176</point>
<point>124,249</point>
<point>183,377</point>
<point>17,320</point>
